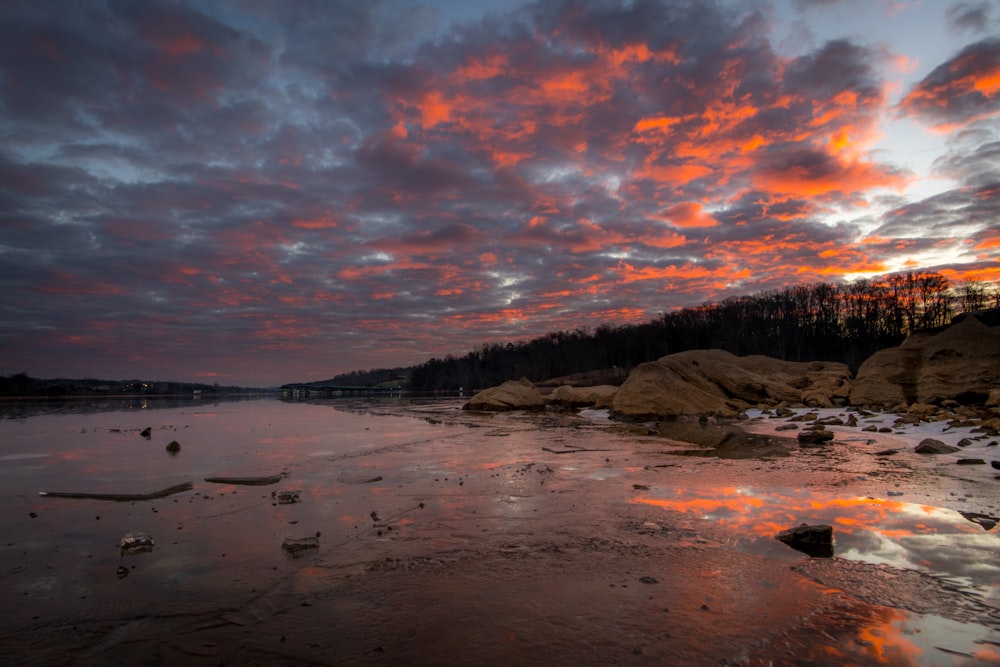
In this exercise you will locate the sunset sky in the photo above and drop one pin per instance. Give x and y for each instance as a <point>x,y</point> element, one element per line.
<point>255,192</point>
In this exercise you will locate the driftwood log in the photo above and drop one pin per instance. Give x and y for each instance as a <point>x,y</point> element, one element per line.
<point>120,497</point>
<point>248,481</point>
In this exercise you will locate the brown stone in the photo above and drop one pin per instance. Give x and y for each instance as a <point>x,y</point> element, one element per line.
<point>718,382</point>
<point>576,397</point>
<point>961,363</point>
<point>511,395</point>
<point>932,446</point>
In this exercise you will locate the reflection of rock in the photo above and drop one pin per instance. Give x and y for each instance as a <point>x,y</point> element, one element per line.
<point>135,543</point>
<point>817,541</point>
<point>723,440</point>
<point>511,395</point>
<point>986,521</point>
<point>295,546</point>
<point>932,446</point>
<point>960,363</point>
<point>716,381</point>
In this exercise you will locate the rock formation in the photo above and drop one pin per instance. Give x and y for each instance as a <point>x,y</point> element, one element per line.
<point>961,363</point>
<point>511,395</point>
<point>575,397</point>
<point>718,382</point>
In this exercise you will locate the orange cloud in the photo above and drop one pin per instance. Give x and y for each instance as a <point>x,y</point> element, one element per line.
<point>479,68</point>
<point>825,176</point>
<point>434,110</point>
<point>962,90</point>
<point>688,215</point>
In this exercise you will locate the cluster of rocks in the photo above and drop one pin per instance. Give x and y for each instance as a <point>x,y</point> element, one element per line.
<point>952,374</point>
<point>815,432</point>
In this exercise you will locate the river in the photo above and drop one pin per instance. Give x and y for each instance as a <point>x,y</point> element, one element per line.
<point>422,534</point>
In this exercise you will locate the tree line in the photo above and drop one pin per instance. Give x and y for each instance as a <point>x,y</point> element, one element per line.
<point>23,385</point>
<point>845,322</point>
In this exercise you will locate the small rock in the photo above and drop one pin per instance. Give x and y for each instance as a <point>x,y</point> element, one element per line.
<point>787,427</point>
<point>884,429</point>
<point>872,428</point>
<point>294,547</point>
<point>814,540</point>
<point>648,580</point>
<point>174,447</point>
<point>995,464</point>
<point>135,543</point>
<point>146,432</point>
<point>122,571</point>
<point>964,442</point>
<point>814,437</point>
<point>932,446</point>
<point>640,487</point>
<point>287,497</point>
<point>971,462</point>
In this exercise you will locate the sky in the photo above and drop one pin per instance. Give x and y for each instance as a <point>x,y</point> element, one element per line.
<point>257,192</point>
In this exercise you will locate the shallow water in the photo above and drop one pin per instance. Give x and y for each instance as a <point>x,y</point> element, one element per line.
<point>447,537</point>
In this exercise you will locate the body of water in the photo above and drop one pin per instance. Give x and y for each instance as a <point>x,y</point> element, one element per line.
<point>410,532</point>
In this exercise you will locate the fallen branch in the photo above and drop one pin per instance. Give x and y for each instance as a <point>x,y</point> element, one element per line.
<point>121,497</point>
<point>247,481</point>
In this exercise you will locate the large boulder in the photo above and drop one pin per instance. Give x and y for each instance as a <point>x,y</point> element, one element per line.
<point>961,363</point>
<point>718,382</point>
<point>576,397</point>
<point>511,395</point>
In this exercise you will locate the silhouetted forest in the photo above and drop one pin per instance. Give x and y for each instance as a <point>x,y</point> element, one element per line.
<point>819,322</point>
<point>21,384</point>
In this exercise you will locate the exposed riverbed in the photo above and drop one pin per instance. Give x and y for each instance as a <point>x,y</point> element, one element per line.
<point>427,535</point>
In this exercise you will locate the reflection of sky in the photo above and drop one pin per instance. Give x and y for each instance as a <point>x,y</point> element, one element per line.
<point>873,530</point>
<point>444,489</point>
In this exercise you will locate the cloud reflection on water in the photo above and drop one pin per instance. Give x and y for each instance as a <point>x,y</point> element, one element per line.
<point>873,530</point>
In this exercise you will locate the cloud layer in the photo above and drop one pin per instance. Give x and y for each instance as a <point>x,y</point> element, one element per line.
<point>268,192</point>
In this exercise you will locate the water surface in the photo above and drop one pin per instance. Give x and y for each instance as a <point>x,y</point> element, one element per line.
<point>446,537</point>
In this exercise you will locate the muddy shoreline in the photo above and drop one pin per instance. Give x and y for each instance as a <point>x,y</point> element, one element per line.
<point>519,539</point>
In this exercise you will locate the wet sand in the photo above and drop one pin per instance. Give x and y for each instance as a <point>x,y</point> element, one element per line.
<point>517,539</point>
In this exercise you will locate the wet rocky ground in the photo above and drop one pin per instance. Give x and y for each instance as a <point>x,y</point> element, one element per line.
<point>415,533</point>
